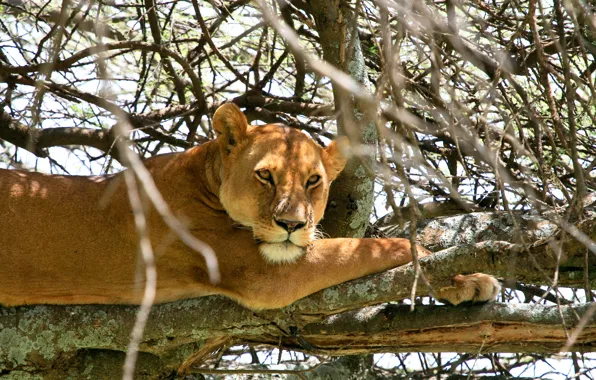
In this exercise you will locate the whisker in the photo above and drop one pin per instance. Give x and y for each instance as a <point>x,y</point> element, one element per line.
<point>320,234</point>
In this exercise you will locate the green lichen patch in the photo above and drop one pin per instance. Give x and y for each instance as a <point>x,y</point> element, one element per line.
<point>331,296</point>
<point>363,290</point>
<point>40,334</point>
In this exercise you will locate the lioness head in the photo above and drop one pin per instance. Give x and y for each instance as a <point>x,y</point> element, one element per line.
<point>275,180</point>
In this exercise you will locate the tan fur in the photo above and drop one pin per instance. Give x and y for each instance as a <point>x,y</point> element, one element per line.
<point>71,240</point>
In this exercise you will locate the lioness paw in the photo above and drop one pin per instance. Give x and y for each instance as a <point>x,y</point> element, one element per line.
<point>477,287</point>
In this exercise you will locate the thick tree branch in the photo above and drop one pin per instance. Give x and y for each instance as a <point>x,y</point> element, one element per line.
<point>437,233</point>
<point>489,328</point>
<point>51,338</point>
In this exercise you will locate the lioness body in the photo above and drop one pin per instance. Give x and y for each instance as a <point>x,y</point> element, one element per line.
<point>72,240</point>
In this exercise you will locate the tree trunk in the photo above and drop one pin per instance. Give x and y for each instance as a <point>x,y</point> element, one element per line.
<point>351,195</point>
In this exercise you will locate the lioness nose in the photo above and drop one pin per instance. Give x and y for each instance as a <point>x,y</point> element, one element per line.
<point>289,225</point>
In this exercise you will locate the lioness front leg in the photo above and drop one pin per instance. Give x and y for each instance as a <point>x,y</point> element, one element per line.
<point>329,262</point>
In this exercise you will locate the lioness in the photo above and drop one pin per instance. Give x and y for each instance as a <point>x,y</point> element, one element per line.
<point>254,194</point>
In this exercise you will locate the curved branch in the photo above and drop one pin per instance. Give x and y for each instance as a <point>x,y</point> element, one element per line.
<point>35,140</point>
<point>65,64</point>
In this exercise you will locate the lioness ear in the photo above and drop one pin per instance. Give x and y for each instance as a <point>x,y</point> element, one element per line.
<point>336,156</point>
<point>230,125</point>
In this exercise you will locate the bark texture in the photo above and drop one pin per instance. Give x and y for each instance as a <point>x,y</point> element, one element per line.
<point>89,342</point>
<point>351,196</point>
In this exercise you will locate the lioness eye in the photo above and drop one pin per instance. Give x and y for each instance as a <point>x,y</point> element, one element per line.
<point>265,175</point>
<point>313,180</point>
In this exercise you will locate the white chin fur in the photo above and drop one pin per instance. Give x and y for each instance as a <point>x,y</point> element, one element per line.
<point>285,252</point>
